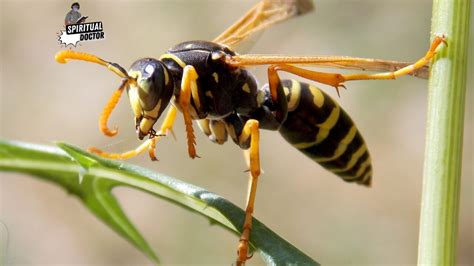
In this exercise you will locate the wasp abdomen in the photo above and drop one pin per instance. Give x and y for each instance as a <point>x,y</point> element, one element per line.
<point>317,126</point>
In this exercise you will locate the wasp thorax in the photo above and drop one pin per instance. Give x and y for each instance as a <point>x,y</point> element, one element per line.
<point>150,93</point>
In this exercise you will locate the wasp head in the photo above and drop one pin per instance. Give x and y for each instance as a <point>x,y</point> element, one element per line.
<point>150,94</point>
<point>148,83</point>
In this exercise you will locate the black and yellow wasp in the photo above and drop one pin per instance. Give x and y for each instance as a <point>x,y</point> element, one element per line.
<point>207,82</point>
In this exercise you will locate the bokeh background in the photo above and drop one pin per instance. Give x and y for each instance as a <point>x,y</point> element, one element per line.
<point>334,222</point>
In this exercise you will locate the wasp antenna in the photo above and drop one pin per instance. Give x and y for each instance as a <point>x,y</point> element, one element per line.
<point>118,69</point>
<point>65,56</point>
<point>104,117</point>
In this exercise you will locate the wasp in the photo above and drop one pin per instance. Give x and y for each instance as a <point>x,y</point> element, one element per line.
<point>207,81</point>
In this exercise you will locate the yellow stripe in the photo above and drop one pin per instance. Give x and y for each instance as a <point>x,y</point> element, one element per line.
<point>151,116</point>
<point>295,95</point>
<point>342,147</point>
<point>174,58</point>
<point>195,95</point>
<point>246,88</point>
<point>135,100</point>
<point>167,78</point>
<point>304,145</point>
<point>318,97</point>
<point>204,126</point>
<point>219,131</point>
<point>366,177</point>
<point>363,167</point>
<point>135,74</point>
<point>354,158</point>
<point>155,111</point>
<point>324,129</point>
<point>332,119</point>
<point>327,125</point>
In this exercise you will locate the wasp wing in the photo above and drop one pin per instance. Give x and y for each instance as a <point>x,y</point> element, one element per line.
<point>261,16</point>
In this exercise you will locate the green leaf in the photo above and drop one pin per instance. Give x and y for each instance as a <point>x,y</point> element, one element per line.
<point>92,178</point>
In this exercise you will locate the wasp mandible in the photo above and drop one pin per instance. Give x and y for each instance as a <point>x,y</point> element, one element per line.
<point>208,83</point>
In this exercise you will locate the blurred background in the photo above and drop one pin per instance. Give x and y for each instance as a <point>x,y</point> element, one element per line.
<point>332,221</point>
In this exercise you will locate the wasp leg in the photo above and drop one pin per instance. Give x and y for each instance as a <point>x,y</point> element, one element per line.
<point>150,144</point>
<point>250,130</point>
<point>336,80</point>
<point>344,62</point>
<point>125,155</point>
<point>277,94</point>
<point>104,117</point>
<point>188,84</point>
<point>405,70</point>
<point>166,126</point>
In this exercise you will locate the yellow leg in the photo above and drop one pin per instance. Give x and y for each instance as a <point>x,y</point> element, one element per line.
<point>336,80</point>
<point>250,130</point>
<point>150,144</point>
<point>188,84</point>
<point>166,126</point>
<point>125,155</point>
<point>405,70</point>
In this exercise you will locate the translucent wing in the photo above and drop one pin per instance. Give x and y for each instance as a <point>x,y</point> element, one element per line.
<point>261,16</point>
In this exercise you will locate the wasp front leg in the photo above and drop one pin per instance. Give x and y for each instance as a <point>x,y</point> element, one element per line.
<point>250,132</point>
<point>188,86</point>
<point>150,144</point>
<point>166,126</point>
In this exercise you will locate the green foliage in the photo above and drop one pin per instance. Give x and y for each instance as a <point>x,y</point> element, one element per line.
<point>444,135</point>
<point>92,178</point>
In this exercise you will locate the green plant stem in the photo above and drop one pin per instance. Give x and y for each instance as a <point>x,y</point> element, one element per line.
<point>444,136</point>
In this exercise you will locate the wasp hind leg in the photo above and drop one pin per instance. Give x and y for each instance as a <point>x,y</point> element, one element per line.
<point>250,132</point>
<point>336,80</point>
<point>150,144</point>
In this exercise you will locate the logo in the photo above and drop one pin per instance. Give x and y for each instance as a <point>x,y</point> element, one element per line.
<point>78,30</point>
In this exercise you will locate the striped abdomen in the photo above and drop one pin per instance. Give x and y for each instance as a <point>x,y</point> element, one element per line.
<point>317,126</point>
